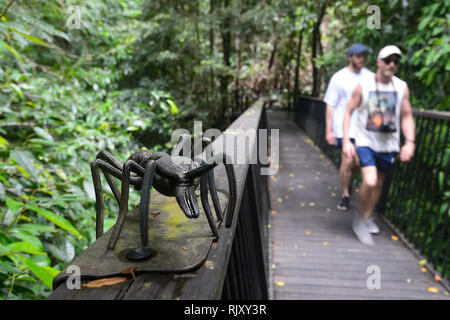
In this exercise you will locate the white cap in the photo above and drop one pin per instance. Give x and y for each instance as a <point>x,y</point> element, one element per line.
<point>388,50</point>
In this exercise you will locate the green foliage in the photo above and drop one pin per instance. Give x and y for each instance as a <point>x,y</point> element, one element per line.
<point>61,101</point>
<point>431,53</point>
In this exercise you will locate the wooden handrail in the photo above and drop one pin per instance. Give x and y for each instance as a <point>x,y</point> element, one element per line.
<point>436,114</point>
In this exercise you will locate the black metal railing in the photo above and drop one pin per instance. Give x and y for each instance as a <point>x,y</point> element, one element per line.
<point>416,198</point>
<point>310,117</point>
<point>418,201</point>
<point>240,101</point>
<point>247,272</point>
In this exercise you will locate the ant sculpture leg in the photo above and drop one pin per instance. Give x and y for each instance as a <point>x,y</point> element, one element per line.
<point>110,167</point>
<point>206,173</point>
<point>231,177</point>
<point>205,168</point>
<point>105,155</point>
<point>128,166</point>
<point>210,183</point>
<point>206,207</point>
<point>144,252</point>
<point>214,196</point>
<point>232,188</point>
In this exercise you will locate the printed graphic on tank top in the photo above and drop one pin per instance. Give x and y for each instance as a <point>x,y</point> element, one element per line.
<point>381,110</point>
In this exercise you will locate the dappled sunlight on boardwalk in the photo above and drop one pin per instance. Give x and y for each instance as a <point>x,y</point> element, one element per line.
<point>314,252</point>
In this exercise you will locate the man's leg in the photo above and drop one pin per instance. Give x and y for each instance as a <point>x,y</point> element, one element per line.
<point>370,190</point>
<point>345,173</point>
<point>346,168</point>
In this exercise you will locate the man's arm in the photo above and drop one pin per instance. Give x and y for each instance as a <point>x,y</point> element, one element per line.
<point>408,128</point>
<point>331,99</point>
<point>353,103</point>
<point>329,135</point>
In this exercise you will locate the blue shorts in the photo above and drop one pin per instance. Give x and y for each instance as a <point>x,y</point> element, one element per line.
<point>338,143</point>
<point>384,161</point>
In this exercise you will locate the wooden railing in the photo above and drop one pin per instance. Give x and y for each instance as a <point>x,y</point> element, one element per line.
<point>236,266</point>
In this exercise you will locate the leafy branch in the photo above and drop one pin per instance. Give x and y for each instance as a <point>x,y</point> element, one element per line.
<point>6,8</point>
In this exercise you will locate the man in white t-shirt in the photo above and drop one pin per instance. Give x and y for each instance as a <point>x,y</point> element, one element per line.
<point>383,110</point>
<point>336,97</point>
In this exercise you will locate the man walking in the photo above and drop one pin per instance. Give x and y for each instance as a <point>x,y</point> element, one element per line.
<point>336,97</point>
<point>383,110</point>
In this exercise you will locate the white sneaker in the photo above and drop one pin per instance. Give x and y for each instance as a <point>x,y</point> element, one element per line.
<point>361,229</point>
<point>373,228</point>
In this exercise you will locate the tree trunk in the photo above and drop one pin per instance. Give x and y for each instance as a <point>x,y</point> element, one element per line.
<point>211,28</point>
<point>297,66</point>
<point>211,49</point>
<point>317,49</point>
<point>196,8</point>
<point>272,54</point>
<point>238,94</point>
<point>286,67</point>
<point>226,47</point>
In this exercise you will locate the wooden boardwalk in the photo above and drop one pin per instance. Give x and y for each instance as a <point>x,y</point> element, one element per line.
<point>314,252</point>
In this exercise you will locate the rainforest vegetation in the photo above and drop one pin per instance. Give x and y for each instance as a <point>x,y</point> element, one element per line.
<point>77,77</point>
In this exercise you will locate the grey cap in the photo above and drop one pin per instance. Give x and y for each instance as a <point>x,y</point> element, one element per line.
<point>358,48</point>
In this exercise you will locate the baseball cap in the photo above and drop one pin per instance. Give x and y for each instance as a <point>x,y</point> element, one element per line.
<point>358,48</point>
<point>388,50</point>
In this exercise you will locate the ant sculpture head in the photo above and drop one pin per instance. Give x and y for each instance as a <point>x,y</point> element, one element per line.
<point>187,200</point>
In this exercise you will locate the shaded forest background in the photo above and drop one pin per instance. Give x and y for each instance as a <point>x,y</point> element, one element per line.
<point>134,70</point>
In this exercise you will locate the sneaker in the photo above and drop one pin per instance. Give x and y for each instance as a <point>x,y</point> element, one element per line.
<point>361,229</point>
<point>373,228</point>
<point>344,204</point>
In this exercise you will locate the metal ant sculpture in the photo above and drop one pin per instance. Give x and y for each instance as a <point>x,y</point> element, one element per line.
<point>173,176</point>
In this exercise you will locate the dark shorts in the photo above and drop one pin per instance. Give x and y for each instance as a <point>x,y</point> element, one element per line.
<point>384,161</point>
<point>338,143</point>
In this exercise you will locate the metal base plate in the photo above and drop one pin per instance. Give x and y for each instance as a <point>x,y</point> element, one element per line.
<point>178,244</point>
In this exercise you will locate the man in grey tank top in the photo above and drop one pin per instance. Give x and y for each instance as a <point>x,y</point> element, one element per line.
<point>383,110</point>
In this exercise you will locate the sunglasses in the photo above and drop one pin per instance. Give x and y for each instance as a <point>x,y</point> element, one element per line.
<point>389,60</point>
